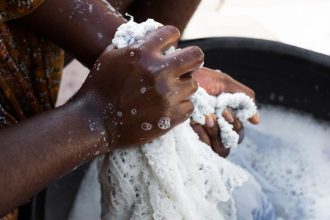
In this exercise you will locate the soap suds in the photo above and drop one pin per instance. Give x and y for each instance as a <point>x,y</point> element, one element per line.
<point>143,90</point>
<point>100,35</point>
<point>157,180</point>
<point>289,154</point>
<point>133,111</point>
<point>242,105</point>
<point>290,162</point>
<point>146,126</point>
<point>164,123</point>
<point>120,114</point>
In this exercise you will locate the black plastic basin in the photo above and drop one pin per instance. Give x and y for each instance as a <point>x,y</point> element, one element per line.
<point>280,74</point>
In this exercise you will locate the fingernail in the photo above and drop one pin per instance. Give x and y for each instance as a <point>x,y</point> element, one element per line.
<point>257,118</point>
<point>209,121</point>
<point>229,117</point>
<point>214,117</point>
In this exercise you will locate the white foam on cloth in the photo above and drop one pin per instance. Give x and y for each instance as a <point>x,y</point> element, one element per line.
<point>133,33</point>
<point>158,180</point>
<point>289,154</point>
<point>242,105</point>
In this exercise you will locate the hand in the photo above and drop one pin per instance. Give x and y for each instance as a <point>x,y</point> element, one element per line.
<point>137,93</point>
<point>215,82</point>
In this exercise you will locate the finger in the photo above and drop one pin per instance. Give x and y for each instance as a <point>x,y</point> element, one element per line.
<point>201,132</point>
<point>187,108</point>
<point>241,135</point>
<point>216,143</point>
<point>209,121</point>
<point>255,119</point>
<point>185,60</point>
<point>182,112</point>
<point>109,48</point>
<point>235,86</point>
<point>238,127</point>
<point>162,38</point>
<point>187,89</point>
<point>228,116</point>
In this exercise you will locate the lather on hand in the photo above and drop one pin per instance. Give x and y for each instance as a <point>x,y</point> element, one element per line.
<point>130,90</point>
<point>216,82</point>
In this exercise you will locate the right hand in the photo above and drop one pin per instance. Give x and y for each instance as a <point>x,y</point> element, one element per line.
<point>135,91</point>
<point>216,82</point>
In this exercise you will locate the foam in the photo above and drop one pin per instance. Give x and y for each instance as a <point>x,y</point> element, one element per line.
<point>242,105</point>
<point>132,33</point>
<point>157,180</point>
<point>289,153</point>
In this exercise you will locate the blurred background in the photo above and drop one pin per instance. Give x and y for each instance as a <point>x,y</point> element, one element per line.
<point>303,23</point>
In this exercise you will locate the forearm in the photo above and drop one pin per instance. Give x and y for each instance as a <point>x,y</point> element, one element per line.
<point>40,150</point>
<point>83,28</point>
<point>170,12</point>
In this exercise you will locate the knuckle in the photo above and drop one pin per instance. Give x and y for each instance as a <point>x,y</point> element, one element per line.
<point>135,50</point>
<point>173,30</point>
<point>225,76</point>
<point>198,53</point>
<point>190,107</point>
<point>194,85</point>
<point>191,87</point>
<point>252,92</point>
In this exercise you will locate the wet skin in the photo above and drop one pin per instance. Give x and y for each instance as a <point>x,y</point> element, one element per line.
<point>214,82</point>
<point>53,143</point>
<point>145,86</point>
<point>101,21</point>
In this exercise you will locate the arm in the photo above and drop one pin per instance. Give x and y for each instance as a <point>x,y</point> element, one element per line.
<point>169,12</point>
<point>99,117</point>
<point>82,28</point>
<point>39,150</point>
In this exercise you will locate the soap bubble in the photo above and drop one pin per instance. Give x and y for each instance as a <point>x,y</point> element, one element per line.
<point>119,114</point>
<point>164,123</point>
<point>146,126</point>
<point>133,111</point>
<point>143,90</point>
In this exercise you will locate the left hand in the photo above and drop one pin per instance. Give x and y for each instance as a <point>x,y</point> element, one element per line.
<point>215,82</point>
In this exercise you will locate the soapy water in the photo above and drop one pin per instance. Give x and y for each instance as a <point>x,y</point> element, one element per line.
<point>152,175</point>
<point>288,154</point>
<point>164,123</point>
<point>157,180</point>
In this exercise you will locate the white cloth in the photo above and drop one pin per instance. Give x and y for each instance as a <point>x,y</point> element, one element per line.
<point>175,176</point>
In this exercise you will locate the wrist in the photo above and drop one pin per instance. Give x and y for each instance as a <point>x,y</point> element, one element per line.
<point>92,124</point>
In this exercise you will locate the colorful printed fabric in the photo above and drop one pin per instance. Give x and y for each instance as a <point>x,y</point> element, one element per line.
<point>30,68</point>
<point>11,9</point>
